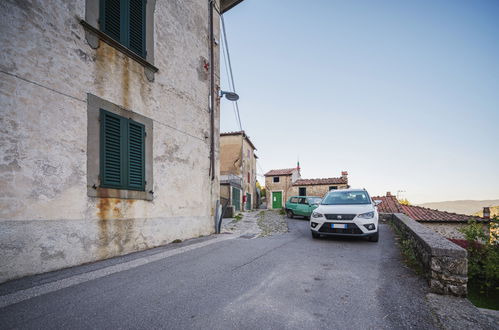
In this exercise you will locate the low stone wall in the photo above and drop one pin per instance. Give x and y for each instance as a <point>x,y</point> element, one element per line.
<point>445,263</point>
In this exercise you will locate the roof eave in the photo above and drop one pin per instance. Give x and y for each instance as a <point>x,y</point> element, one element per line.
<point>226,5</point>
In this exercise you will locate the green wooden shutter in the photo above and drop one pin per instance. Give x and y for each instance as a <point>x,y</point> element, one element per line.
<point>122,145</point>
<point>125,22</point>
<point>136,153</point>
<point>111,18</point>
<point>111,146</point>
<point>137,21</point>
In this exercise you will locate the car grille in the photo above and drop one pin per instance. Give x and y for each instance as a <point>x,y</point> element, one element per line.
<point>340,216</point>
<point>351,229</point>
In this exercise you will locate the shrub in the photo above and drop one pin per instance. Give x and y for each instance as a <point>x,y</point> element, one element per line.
<point>483,256</point>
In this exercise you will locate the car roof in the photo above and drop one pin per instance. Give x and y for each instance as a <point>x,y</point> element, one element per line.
<point>349,189</point>
<point>305,197</point>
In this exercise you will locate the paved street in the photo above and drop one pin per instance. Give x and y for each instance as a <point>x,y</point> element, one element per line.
<point>282,281</point>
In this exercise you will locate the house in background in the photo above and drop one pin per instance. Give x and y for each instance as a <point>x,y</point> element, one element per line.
<point>283,183</point>
<point>238,172</point>
<point>108,143</point>
<point>319,187</point>
<point>445,223</point>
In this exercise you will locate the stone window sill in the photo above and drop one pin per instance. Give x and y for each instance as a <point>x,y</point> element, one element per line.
<point>149,68</point>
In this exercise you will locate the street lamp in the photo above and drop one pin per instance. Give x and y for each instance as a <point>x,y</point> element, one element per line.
<point>229,95</point>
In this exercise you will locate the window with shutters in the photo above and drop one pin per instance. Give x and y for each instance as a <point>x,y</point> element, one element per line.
<point>122,145</point>
<point>119,151</point>
<point>125,22</point>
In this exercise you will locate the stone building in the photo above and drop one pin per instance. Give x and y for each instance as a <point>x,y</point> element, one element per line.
<point>319,187</point>
<point>238,171</point>
<point>283,183</point>
<point>109,137</point>
<point>446,224</point>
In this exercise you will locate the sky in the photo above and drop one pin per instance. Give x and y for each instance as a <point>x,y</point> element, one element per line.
<point>404,95</point>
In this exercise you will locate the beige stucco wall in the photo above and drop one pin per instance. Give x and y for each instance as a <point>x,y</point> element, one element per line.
<point>237,158</point>
<point>230,154</point>
<point>249,170</point>
<point>47,221</point>
<point>315,190</point>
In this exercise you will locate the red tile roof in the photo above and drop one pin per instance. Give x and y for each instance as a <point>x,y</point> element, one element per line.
<point>311,182</point>
<point>284,171</point>
<point>390,204</point>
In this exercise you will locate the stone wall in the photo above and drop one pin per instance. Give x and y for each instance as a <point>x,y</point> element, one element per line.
<point>445,264</point>
<point>450,230</point>
<point>315,190</point>
<point>283,185</point>
<point>47,219</point>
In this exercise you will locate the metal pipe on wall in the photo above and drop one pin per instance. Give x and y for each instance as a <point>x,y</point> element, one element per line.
<point>212,92</point>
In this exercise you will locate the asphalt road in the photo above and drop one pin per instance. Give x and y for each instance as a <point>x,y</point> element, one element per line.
<point>285,281</point>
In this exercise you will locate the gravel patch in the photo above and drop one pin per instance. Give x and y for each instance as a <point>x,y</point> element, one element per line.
<point>256,224</point>
<point>271,222</point>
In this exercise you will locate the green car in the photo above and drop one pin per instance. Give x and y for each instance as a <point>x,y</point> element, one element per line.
<point>302,205</point>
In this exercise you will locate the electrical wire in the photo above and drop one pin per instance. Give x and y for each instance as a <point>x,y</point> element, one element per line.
<point>230,85</point>
<point>233,87</point>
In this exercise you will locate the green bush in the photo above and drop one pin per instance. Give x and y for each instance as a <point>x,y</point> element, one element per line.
<point>483,259</point>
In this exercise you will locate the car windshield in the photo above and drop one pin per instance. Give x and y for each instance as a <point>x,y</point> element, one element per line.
<point>314,200</point>
<point>346,198</point>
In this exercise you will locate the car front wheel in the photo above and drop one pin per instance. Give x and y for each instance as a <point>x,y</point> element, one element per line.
<point>374,237</point>
<point>314,234</point>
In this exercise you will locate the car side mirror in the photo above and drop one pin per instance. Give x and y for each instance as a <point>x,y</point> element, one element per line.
<point>377,202</point>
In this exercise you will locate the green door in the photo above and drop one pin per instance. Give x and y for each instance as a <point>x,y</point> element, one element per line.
<point>248,201</point>
<point>277,200</point>
<point>236,199</point>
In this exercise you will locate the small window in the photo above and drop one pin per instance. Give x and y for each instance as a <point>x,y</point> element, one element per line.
<point>294,200</point>
<point>276,179</point>
<point>303,201</point>
<point>333,187</point>
<point>122,147</point>
<point>125,22</point>
<point>302,191</point>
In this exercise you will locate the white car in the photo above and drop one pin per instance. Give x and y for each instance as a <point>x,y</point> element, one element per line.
<point>348,212</point>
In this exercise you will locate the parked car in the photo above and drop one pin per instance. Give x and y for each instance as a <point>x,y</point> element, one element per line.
<point>301,205</point>
<point>348,212</point>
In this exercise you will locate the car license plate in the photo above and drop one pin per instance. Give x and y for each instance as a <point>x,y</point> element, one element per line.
<point>339,225</point>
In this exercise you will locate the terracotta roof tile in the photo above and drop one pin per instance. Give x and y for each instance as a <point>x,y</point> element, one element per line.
<point>390,204</point>
<point>284,171</point>
<point>310,182</point>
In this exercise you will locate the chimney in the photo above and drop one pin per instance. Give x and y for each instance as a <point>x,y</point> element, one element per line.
<point>486,212</point>
<point>344,174</point>
<point>388,194</point>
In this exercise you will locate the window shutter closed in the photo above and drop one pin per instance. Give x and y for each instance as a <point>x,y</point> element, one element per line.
<point>112,18</point>
<point>136,154</point>
<point>137,26</point>
<point>111,150</point>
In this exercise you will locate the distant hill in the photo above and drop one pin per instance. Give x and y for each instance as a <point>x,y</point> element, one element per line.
<point>468,207</point>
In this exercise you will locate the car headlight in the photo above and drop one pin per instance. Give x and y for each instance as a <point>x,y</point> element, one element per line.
<point>367,215</point>
<point>317,215</point>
